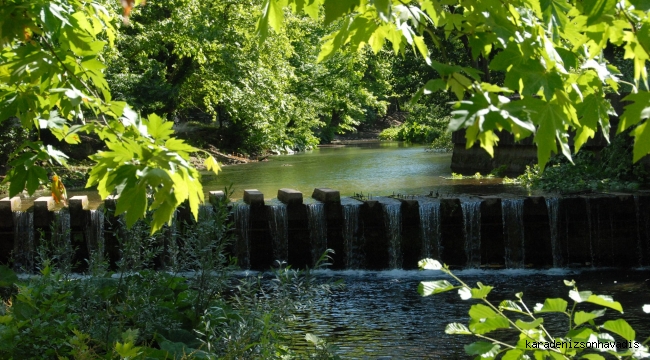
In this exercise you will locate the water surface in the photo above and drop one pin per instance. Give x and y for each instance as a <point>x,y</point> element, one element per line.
<point>378,168</point>
<point>379,314</point>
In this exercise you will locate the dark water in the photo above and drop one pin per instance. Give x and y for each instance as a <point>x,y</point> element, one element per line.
<point>378,168</point>
<point>380,314</point>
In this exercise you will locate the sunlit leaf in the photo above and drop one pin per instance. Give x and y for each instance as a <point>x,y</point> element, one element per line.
<point>620,327</point>
<point>551,305</point>
<point>426,288</point>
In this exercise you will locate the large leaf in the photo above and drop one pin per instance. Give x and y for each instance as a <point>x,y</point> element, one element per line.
<point>620,327</point>
<point>607,301</point>
<point>457,329</point>
<point>483,348</point>
<point>552,305</point>
<point>582,317</point>
<point>427,288</point>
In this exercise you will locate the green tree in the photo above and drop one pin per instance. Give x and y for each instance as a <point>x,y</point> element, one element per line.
<point>551,53</point>
<point>52,78</point>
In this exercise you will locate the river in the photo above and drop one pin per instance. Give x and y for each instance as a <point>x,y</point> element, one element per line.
<point>377,168</point>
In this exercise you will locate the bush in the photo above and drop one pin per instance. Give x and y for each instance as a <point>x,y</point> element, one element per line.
<point>195,308</point>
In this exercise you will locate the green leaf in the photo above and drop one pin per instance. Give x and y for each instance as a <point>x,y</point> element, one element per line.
<point>427,288</point>
<point>338,8</point>
<point>273,14</point>
<point>211,164</point>
<point>457,329</point>
<point>607,301</point>
<point>479,312</point>
<point>582,317</point>
<point>594,9</point>
<point>620,327</point>
<point>643,5</point>
<point>510,305</point>
<point>526,325</point>
<point>158,128</point>
<point>552,305</point>
<point>634,113</point>
<point>513,354</point>
<point>579,296</point>
<point>592,357</point>
<point>7,276</point>
<point>481,292</point>
<point>483,348</point>
<point>429,264</point>
<point>485,326</point>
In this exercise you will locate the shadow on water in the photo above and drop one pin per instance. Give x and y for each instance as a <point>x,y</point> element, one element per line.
<point>380,314</point>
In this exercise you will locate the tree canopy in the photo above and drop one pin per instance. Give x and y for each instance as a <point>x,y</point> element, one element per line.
<point>552,54</point>
<point>52,78</point>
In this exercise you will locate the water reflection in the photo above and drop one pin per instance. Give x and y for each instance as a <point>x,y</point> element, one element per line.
<point>381,314</point>
<point>379,168</point>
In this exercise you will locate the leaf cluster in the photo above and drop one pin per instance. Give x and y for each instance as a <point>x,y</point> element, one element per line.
<point>586,336</point>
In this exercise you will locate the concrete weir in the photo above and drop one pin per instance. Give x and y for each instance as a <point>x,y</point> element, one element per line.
<point>496,231</point>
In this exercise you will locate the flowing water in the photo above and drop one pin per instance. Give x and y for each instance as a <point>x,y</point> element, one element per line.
<point>472,230</point>
<point>353,240</point>
<point>380,315</point>
<point>512,212</point>
<point>278,225</point>
<point>317,230</point>
<point>393,222</point>
<point>242,214</point>
<point>553,206</point>
<point>430,229</point>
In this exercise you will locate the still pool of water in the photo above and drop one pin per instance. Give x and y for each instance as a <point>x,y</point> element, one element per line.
<point>378,168</point>
<point>380,315</point>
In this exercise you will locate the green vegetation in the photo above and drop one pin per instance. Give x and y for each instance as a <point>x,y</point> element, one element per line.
<point>533,335</point>
<point>609,169</point>
<point>558,57</point>
<point>195,307</point>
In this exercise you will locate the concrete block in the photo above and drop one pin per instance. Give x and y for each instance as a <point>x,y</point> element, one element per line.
<point>78,205</point>
<point>7,206</point>
<point>326,195</point>
<point>290,196</point>
<point>43,206</point>
<point>216,196</point>
<point>253,197</point>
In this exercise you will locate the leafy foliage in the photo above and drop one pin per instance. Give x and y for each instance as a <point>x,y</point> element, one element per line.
<point>584,338</point>
<point>609,169</point>
<point>52,74</point>
<point>552,54</point>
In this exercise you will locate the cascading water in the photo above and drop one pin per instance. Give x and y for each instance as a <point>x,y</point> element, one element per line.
<point>95,235</point>
<point>242,225</point>
<point>23,240</point>
<point>352,240</point>
<point>552,207</point>
<point>512,213</point>
<point>317,230</point>
<point>278,224</point>
<point>393,222</point>
<point>590,230</point>
<point>639,241</point>
<point>472,230</point>
<point>430,229</point>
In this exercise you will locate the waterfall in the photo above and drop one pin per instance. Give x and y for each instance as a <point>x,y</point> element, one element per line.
<point>23,240</point>
<point>353,242</point>
<point>95,236</point>
<point>430,229</point>
<point>512,213</point>
<point>552,207</point>
<point>590,231</point>
<point>472,230</point>
<point>242,225</point>
<point>639,242</point>
<point>317,230</point>
<point>278,224</point>
<point>393,222</point>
